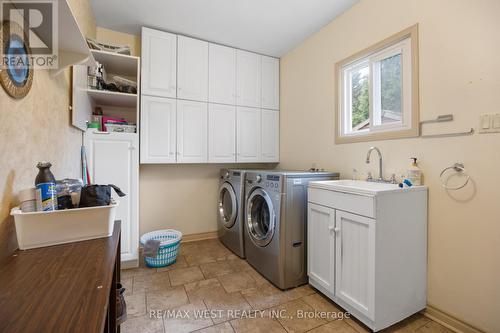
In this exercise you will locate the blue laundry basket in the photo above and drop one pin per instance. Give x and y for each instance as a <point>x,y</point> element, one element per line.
<point>169,247</point>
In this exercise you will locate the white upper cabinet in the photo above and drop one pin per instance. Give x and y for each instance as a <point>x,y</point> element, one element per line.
<point>192,132</point>
<point>206,103</point>
<point>270,136</point>
<point>221,133</point>
<point>158,130</point>
<point>248,79</point>
<point>248,129</point>
<point>159,63</point>
<point>270,83</point>
<point>192,59</point>
<point>222,74</point>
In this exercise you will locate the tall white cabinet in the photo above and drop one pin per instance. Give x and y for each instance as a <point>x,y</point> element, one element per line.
<point>211,104</point>
<point>113,158</point>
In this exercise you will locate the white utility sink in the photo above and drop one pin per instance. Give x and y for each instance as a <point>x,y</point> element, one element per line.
<point>361,186</point>
<point>367,248</point>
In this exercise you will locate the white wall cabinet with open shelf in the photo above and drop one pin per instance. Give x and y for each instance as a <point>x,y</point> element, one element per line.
<point>113,158</point>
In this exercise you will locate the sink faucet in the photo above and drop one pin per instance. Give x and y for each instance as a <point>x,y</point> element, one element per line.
<point>380,174</point>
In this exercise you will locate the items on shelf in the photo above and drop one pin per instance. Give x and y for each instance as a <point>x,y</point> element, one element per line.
<point>110,124</point>
<point>120,49</point>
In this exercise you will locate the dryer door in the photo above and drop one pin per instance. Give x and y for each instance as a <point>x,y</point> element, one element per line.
<point>228,208</point>
<point>261,218</point>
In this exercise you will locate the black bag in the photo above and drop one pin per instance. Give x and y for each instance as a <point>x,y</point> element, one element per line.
<point>98,195</point>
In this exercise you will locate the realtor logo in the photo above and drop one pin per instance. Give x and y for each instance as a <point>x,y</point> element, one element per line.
<point>29,33</point>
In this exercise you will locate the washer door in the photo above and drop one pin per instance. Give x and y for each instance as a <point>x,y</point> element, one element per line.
<point>261,218</point>
<point>228,207</point>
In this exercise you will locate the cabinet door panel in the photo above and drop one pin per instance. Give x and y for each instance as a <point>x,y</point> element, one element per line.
<point>222,75</point>
<point>355,261</point>
<point>192,128</point>
<point>192,69</point>
<point>159,63</point>
<point>248,79</point>
<point>158,130</point>
<point>270,83</point>
<point>270,135</point>
<point>113,159</point>
<point>321,246</point>
<point>248,132</point>
<point>221,133</point>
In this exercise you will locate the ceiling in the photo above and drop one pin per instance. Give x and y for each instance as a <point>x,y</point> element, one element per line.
<point>271,27</point>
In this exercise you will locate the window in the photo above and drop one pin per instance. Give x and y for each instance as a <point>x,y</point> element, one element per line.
<point>378,91</point>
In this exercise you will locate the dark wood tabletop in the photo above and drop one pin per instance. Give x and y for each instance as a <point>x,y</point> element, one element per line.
<point>61,288</point>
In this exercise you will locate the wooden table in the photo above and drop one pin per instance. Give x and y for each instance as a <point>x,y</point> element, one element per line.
<point>62,288</point>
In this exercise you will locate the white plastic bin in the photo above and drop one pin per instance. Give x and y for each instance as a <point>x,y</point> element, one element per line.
<point>39,229</point>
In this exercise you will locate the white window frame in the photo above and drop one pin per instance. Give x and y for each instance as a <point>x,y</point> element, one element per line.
<point>404,43</point>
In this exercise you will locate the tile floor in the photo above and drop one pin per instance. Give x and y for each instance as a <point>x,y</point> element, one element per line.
<point>207,277</point>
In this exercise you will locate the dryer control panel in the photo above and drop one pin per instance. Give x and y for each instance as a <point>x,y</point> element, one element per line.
<point>272,182</point>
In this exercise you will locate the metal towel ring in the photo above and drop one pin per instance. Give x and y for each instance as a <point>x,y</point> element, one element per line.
<point>458,167</point>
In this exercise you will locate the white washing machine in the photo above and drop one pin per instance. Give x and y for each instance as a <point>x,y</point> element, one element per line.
<point>276,224</point>
<point>230,210</point>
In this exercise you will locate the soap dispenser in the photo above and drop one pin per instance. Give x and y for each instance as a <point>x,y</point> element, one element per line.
<point>414,173</point>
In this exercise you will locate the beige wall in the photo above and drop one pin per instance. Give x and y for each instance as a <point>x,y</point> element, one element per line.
<point>459,74</point>
<point>37,128</point>
<point>183,197</point>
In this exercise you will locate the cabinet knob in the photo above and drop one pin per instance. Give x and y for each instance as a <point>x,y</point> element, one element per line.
<point>334,229</point>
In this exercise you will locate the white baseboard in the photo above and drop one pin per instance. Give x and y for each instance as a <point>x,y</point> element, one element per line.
<point>449,321</point>
<point>199,237</point>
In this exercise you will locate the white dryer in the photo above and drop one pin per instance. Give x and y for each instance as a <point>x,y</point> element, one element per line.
<point>230,210</point>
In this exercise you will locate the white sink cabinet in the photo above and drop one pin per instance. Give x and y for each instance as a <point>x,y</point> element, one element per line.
<point>367,248</point>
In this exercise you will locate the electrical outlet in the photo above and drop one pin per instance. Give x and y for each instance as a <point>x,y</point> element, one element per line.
<point>489,123</point>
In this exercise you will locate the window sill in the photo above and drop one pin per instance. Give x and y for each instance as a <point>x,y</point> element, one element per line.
<point>389,135</point>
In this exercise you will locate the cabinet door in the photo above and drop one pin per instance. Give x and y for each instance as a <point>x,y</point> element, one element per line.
<point>113,158</point>
<point>248,132</point>
<point>158,130</point>
<point>192,128</point>
<point>270,83</point>
<point>222,75</point>
<point>192,63</point>
<point>159,63</point>
<point>270,136</point>
<point>248,79</point>
<point>221,133</point>
<point>355,261</point>
<point>321,246</point>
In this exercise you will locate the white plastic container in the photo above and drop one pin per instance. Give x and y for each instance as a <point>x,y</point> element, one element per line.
<point>39,229</point>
